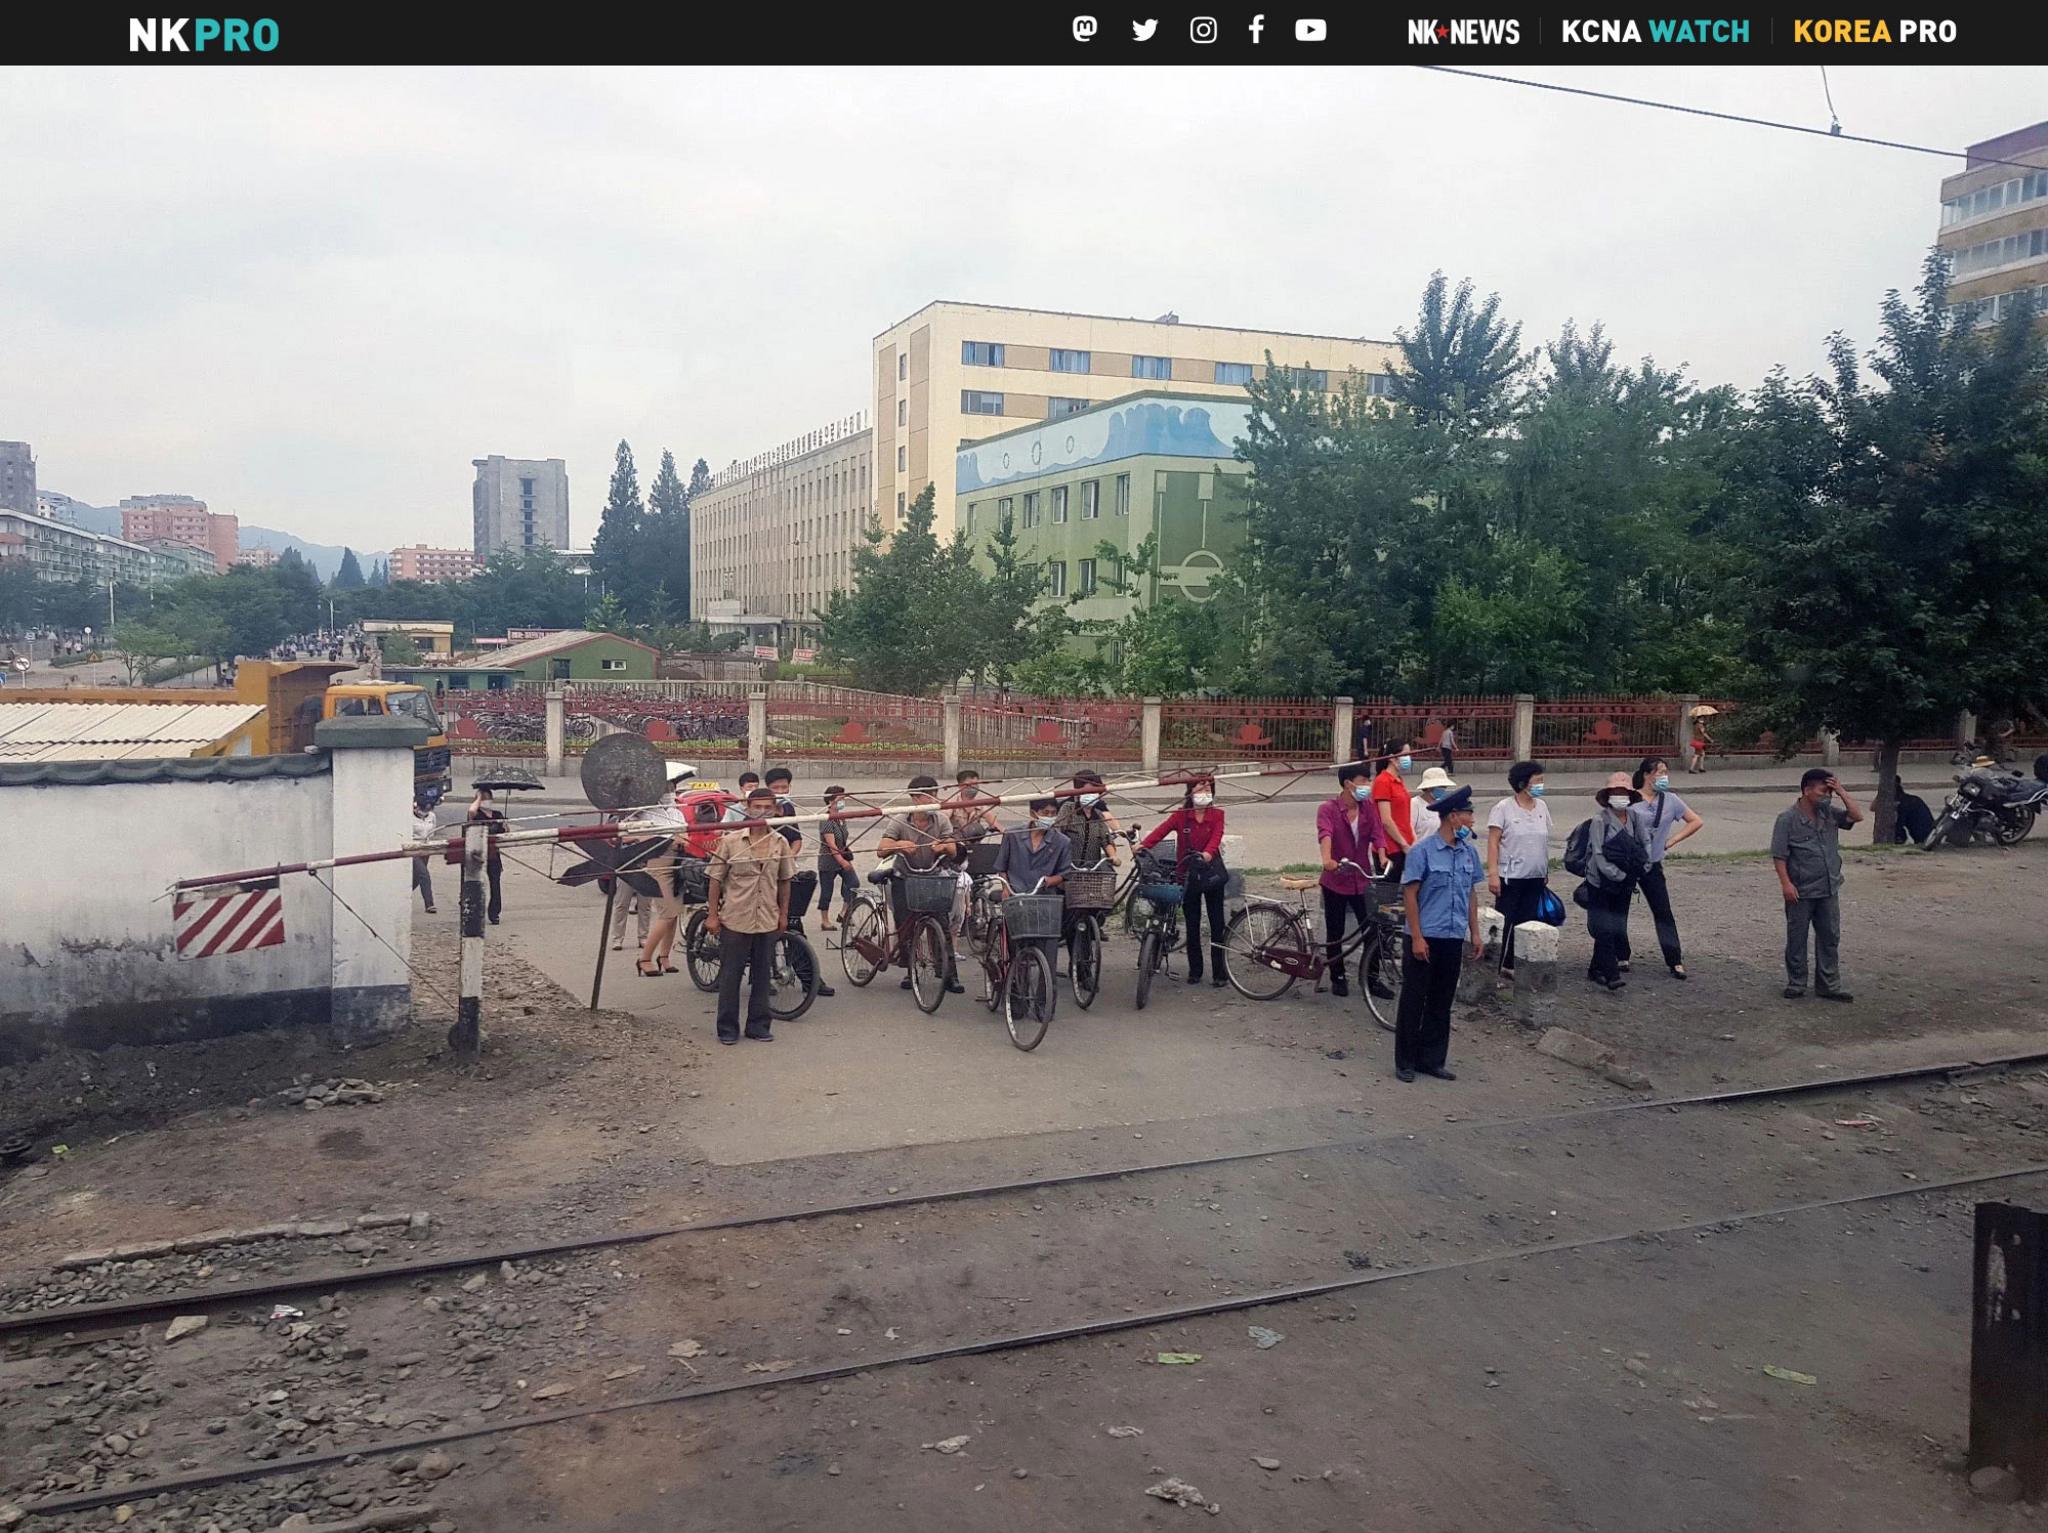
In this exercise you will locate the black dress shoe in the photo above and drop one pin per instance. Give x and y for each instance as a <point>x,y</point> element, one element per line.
<point>825,990</point>
<point>954,987</point>
<point>1795,993</point>
<point>1339,986</point>
<point>760,1037</point>
<point>1383,992</point>
<point>1404,1075</point>
<point>904,983</point>
<point>735,1038</point>
<point>1217,981</point>
<point>1834,995</point>
<point>1440,1073</point>
<point>1194,979</point>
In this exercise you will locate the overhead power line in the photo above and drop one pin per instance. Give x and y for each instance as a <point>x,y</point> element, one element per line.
<point>1977,161</point>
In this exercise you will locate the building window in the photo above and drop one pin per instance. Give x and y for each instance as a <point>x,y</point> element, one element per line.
<point>1123,494</point>
<point>611,665</point>
<point>902,365</point>
<point>526,487</point>
<point>982,353</point>
<point>1070,361</point>
<point>1030,508</point>
<point>902,412</point>
<point>903,460</point>
<point>977,402</point>
<point>1059,503</point>
<point>899,504</point>
<point>1055,408</point>
<point>1151,367</point>
<point>1003,511</point>
<point>1056,578</point>
<point>1308,377</point>
<point>1239,373</point>
<point>1091,500</point>
<point>1379,384</point>
<point>970,518</point>
<point>1084,575</point>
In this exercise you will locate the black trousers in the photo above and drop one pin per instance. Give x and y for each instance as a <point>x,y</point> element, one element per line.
<point>1518,902</point>
<point>1448,763</point>
<point>1422,1028</point>
<point>493,871</point>
<point>1335,908</point>
<point>422,880</point>
<point>1193,906</point>
<point>743,953</point>
<point>1607,922</point>
<point>1658,897</point>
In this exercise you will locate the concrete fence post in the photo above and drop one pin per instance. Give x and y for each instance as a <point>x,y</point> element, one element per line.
<point>1341,724</point>
<point>949,736</point>
<point>557,732</point>
<point>1477,978</point>
<point>1523,743</point>
<point>757,728</point>
<point>1536,946</point>
<point>1148,735</point>
<point>1966,728</point>
<point>371,766</point>
<point>1830,748</point>
<point>1681,741</point>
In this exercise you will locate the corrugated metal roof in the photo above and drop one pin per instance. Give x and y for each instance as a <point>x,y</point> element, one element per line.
<point>84,774</point>
<point>115,731</point>
<point>513,655</point>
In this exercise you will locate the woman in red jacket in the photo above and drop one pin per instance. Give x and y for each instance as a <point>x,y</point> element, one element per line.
<point>1199,824</point>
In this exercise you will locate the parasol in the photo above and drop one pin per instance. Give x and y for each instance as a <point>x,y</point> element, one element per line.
<point>1704,710</point>
<point>510,780</point>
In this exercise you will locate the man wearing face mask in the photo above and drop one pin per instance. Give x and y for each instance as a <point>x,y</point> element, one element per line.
<point>1440,888</point>
<point>1390,798</point>
<point>1036,858</point>
<point>1806,849</point>
<point>1085,820</point>
<point>1348,829</point>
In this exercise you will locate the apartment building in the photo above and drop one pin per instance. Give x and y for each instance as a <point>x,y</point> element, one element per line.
<point>17,477</point>
<point>419,562</point>
<point>519,504</point>
<point>958,372</point>
<point>1994,225</point>
<point>257,558</point>
<point>776,533</point>
<point>182,519</point>
<point>58,551</point>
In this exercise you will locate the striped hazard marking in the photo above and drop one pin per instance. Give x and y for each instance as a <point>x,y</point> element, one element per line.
<point>230,919</point>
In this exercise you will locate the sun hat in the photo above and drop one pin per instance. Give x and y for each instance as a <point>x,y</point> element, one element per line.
<point>1618,783</point>
<point>1436,777</point>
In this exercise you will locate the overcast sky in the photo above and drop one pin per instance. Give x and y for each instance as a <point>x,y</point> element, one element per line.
<point>313,297</point>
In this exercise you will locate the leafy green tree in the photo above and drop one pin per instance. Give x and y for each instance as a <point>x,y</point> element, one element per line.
<point>910,622</point>
<point>349,577</point>
<point>21,596</point>
<point>1014,628</point>
<point>1898,557</point>
<point>607,615</point>
<point>398,649</point>
<point>141,648</point>
<point>1461,364</point>
<point>661,561</point>
<point>615,550</point>
<point>700,478</point>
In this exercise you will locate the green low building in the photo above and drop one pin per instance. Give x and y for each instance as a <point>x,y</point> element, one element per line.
<point>1147,465</point>
<point>573,654</point>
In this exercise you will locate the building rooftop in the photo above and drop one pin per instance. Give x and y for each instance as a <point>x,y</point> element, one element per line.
<point>1011,308</point>
<point>515,655</point>
<point>41,732</point>
<point>2007,145</point>
<point>87,774</point>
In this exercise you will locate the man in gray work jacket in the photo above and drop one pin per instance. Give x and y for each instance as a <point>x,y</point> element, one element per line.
<point>1806,849</point>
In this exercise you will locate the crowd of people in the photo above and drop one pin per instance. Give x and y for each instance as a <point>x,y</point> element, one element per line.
<point>1379,840</point>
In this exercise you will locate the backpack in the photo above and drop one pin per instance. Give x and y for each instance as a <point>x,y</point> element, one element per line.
<point>1578,849</point>
<point>1626,852</point>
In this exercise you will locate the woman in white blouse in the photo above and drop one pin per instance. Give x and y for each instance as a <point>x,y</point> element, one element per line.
<point>1518,852</point>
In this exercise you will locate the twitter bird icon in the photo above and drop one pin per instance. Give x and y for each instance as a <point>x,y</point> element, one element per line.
<point>1142,31</point>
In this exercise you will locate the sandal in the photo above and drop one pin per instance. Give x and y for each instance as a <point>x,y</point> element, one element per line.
<point>645,972</point>
<point>1678,971</point>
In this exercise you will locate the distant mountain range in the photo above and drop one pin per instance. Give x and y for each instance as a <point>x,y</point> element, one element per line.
<point>325,558</point>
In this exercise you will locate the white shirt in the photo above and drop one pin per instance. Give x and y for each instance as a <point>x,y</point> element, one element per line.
<point>425,826</point>
<point>1423,818</point>
<point>1524,838</point>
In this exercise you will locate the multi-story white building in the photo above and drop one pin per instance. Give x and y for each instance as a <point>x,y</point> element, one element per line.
<point>957,372</point>
<point>519,504</point>
<point>419,562</point>
<point>776,533</point>
<point>57,551</point>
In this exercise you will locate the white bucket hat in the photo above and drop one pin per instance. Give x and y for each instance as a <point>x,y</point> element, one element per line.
<point>1435,777</point>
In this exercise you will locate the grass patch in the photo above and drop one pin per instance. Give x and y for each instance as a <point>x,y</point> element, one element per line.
<point>1292,869</point>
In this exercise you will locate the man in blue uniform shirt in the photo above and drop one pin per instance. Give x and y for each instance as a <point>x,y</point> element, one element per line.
<point>1440,884</point>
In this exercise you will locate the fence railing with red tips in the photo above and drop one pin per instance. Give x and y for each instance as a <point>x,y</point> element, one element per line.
<point>1083,730</point>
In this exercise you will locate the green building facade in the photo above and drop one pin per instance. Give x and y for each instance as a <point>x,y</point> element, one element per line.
<point>1146,465</point>
<point>571,655</point>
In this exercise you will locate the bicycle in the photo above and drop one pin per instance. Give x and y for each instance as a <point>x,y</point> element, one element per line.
<point>1269,945</point>
<point>793,984</point>
<point>1152,914</point>
<point>1019,977</point>
<point>1091,894</point>
<point>869,942</point>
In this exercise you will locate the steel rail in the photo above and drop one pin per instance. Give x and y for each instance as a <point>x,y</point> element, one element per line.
<point>1011,1342</point>
<point>70,1317</point>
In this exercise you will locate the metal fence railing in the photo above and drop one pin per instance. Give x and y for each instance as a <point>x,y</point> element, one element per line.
<point>1247,729</point>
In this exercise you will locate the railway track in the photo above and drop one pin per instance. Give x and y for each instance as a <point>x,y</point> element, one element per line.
<point>1493,1192</point>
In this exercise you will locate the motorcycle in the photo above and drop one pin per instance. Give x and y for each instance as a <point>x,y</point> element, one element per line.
<point>1988,803</point>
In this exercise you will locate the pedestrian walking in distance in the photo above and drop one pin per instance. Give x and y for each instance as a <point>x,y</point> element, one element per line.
<point>1447,743</point>
<point>1440,888</point>
<point>1806,849</point>
<point>750,873</point>
<point>835,861</point>
<point>1660,822</point>
<point>425,827</point>
<point>1614,861</point>
<point>483,810</point>
<point>1518,853</point>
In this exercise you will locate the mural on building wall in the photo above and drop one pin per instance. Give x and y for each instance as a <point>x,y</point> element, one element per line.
<point>1205,430</point>
<point>1200,525</point>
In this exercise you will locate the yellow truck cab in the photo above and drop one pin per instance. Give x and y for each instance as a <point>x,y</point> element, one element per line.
<point>298,694</point>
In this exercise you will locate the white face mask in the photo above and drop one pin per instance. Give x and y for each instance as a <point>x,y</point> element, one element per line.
<point>1090,798</point>
<point>1203,800</point>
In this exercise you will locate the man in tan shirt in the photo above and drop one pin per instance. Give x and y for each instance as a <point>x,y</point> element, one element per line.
<point>750,872</point>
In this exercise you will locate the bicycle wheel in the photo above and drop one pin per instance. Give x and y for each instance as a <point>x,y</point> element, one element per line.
<point>700,953</point>
<point>1264,951</point>
<point>1028,998</point>
<point>1148,963</point>
<point>864,941</point>
<point>1084,963</point>
<point>792,977</point>
<point>928,967</point>
<point>1379,964</point>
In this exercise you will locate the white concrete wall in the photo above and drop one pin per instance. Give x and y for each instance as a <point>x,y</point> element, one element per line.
<point>372,801</point>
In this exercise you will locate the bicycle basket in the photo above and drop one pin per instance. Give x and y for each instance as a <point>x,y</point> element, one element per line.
<point>1162,894</point>
<point>1032,915</point>
<point>1092,889</point>
<point>693,883</point>
<point>981,857</point>
<point>930,894</point>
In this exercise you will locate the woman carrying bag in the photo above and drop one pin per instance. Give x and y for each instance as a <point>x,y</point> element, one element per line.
<point>1199,823</point>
